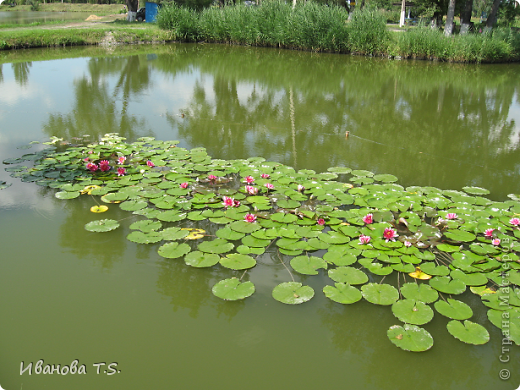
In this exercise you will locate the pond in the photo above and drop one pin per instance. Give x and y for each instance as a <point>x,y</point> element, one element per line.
<point>28,17</point>
<point>69,294</point>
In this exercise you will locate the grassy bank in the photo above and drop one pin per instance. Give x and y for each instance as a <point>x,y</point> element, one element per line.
<point>110,29</point>
<point>96,9</point>
<point>311,26</point>
<point>101,33</point>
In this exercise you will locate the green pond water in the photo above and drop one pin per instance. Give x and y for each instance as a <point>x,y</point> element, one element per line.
<point>69,294</point>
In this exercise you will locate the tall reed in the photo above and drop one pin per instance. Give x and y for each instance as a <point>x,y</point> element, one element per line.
<point>311,26</point>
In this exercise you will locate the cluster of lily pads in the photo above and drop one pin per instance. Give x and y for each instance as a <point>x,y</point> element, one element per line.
<point>352,224</point>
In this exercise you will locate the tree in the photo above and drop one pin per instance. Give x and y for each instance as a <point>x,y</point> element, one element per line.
<point>132,6</point>
<point>465,16</point>
<point>492,18</point>
<point>448,29</point>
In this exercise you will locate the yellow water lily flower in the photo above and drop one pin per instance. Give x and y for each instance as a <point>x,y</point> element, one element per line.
<point>195,234</point>
<point>88,189</point>
<point>99,209</point>
<point>418,274</point>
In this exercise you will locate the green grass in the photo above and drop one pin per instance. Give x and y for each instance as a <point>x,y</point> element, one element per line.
<point>97,9</point>
<point>29,38</point>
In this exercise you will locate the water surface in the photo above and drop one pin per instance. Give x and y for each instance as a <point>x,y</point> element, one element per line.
<point>69,294</point>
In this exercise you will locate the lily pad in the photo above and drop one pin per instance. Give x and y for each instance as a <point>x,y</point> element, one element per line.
<point>460,235</point>
<point>380,294</point>
<point>412,311</point>
<point>473,279</point>
<point>144,238</point>
<point>469,332</point>
<point>292,293</point>
<point>348,275</point>
<point>237,261</point>
<point>199,259</point>
<point>173,233</point>
<point>342,293</point>
<point>448,286</point>
<point>420,292</point>
<point>410,337</point>
<point>228,234</point>
<point>218,245</point>
<point>244,227</point>
<point>146,225</point>
<point>308,265</point>
<point>232,289</point>
<point>508,321</point>
<point>456,310</point>
<point>67,194</point>
<point>476,190</point>
<point>102,225</point>
<point>174,250</point>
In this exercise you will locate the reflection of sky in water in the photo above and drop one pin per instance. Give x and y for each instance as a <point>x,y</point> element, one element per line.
<point>514,115</point>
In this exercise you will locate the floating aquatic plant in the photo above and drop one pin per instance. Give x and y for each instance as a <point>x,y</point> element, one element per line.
<point>354,226</point>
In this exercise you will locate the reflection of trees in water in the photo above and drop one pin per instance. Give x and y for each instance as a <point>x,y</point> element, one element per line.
<point>190,288</point>
<point>102,249</point>
<point>96,109</point>
<point>358,331</point>
<point>416,120</point>
<point>21,72</point>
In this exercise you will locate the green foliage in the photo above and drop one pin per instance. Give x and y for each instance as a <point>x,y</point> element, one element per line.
<point>427,43</point>
<point>309,26</point>
<point>183,22</point>
<point>35,5</point>
<point>367,33</point>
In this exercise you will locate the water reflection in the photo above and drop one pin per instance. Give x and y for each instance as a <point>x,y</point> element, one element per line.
<point>21,72</point>
<point>429,124</point>
<point>96,109</point>
<point>439,124</point>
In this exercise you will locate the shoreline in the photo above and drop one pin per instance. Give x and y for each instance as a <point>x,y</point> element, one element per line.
<point>111,29</point>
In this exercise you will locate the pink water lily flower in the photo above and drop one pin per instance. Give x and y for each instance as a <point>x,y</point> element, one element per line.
<point>368,219</point>
<point>489,233</point>
<point>121,171</point>
<point>251,190</point>
<point>390,234</point>
<point>265,176</point>
<point>451,216</point>
<point>150,164</point>
<point>212,177</point>
<point>228,202</point>
<point>514,221</point>
<point>269,186</point>
<point>184,185</point>
<point>121,160</point>
<point>496,241</point>
<point>363,240</point>
<point>250,179</point>
<point>250,218</point>
<point>320,221</point>
<point>104,165</point>
<point>92,167</point>
<point>236,203</point>
<point>407,244</point>
<point>301,188</point>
